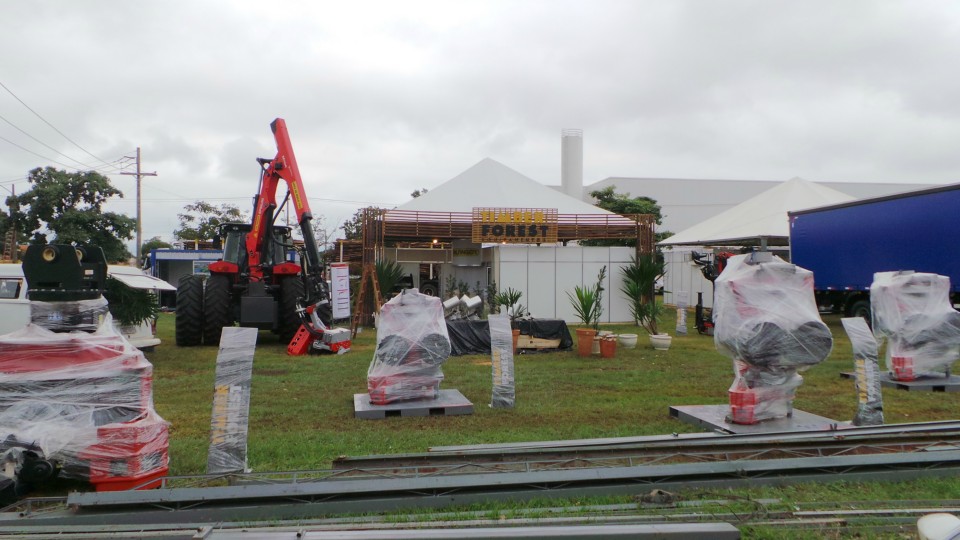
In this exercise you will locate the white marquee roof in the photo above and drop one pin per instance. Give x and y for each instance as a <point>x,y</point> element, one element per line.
<point>492,184</point>
<point>764,215</point>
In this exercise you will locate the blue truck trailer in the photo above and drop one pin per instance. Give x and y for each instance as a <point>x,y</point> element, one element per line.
<point>845,244</point>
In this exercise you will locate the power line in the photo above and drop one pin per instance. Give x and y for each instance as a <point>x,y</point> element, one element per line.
<point>51,125</point>
<point>36,154</point>
<point>179,197</point>
<point>16,127</point>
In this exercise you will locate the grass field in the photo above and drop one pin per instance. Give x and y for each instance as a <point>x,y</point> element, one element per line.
<point>301,413</point>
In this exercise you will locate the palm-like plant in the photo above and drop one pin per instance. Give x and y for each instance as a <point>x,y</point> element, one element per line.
<point>588,301</point>
<point>639,282</point>
<point>389,274</point>
<point>511,299</point>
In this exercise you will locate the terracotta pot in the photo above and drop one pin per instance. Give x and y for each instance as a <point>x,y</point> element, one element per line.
<point>585,340</point>
<point>516,338</point>
<point>608,346</point>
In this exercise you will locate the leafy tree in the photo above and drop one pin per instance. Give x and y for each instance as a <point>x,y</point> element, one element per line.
<point>150,245</point>
<point>201,220</point>
<point>353,227</point>
<point>623,204</point>
<point>5,222</point>
<point>69,206</point>
<point>418,192</point>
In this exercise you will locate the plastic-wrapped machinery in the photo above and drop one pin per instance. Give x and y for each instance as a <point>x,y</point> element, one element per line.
<point>913,311</point>
<point>80,401</point>
<point>767,322</point>
<point>412,343</point>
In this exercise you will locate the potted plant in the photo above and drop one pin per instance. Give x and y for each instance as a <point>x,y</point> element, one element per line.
<point>588,305</point>
<point>510,298</point>
<point>639,282</point>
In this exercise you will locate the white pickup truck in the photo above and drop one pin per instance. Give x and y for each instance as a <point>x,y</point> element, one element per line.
<point>15,308</point>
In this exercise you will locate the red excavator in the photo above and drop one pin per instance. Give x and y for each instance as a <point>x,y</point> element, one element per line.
<point>254,284</point>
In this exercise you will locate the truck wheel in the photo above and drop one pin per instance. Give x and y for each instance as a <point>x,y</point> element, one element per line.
<point>429,289</point>
<point>860,308</point>
<point>189,315</point>
<point>288,322</point>
<point>216,308</point>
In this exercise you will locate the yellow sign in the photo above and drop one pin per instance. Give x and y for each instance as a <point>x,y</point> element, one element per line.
<point>514,225</point>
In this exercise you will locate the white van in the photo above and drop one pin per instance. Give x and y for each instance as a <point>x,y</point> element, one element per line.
<point>15,308</point>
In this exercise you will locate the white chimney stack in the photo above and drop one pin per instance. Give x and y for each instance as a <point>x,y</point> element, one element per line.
<point>571,162</point>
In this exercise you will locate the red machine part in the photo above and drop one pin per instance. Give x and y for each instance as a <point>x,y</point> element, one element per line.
<point>128,455</point>
<point>390,388</point>
<point>103,375</point>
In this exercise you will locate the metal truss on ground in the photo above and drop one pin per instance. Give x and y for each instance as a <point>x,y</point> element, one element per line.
<point>551,469</point>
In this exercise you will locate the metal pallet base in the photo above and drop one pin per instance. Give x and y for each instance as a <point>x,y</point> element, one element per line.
<point>921,384</point>
<point>714,418</point>
<point>448,403</point>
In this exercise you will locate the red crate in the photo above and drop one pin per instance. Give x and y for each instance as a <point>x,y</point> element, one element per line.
<point>743,406</point>
<point>390,388</point>
<point>128,455</point>
<point>903,368</point>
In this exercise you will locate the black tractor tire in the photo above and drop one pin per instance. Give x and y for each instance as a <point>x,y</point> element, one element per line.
<point>217,308</point>
<point>189,315</point>
<point>288,321</point>
<point>860,308</point>
<point>325,312</point>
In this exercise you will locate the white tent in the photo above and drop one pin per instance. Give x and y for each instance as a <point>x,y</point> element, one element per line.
<point>492,184</point>
<point>761,219</point>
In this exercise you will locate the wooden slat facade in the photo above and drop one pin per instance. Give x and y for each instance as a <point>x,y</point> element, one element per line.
<point>406,225</point>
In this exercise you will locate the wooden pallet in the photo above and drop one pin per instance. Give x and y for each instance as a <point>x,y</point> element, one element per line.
<point>530,342</point>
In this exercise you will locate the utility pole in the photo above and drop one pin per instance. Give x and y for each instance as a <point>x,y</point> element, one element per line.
<point>139,175</point>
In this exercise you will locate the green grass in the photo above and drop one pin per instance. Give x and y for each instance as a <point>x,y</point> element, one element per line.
<point>301,413</point>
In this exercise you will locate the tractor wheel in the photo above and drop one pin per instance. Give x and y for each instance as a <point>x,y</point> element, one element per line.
<point>288,321</point>
<point>325,312</point>
<point>189,316</point>
<point>217,311</point>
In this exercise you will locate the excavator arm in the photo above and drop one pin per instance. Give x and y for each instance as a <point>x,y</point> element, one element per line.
<point>283,167</point>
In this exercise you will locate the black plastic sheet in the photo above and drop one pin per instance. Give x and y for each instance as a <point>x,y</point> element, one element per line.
<point>469,337</point>
<point>473,337</point>
<point>546,329</point>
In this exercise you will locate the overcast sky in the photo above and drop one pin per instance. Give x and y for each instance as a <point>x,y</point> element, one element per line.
<point>382,98</point>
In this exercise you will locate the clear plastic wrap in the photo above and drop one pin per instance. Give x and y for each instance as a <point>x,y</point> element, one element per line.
<point>767,322</point>
<point>501,351</point>
<point>84,401</point>
<point>231,401</point>
<point>913,311</point>
<point>80,315</point>
<point>867,372</point>
<point>412,343</point>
